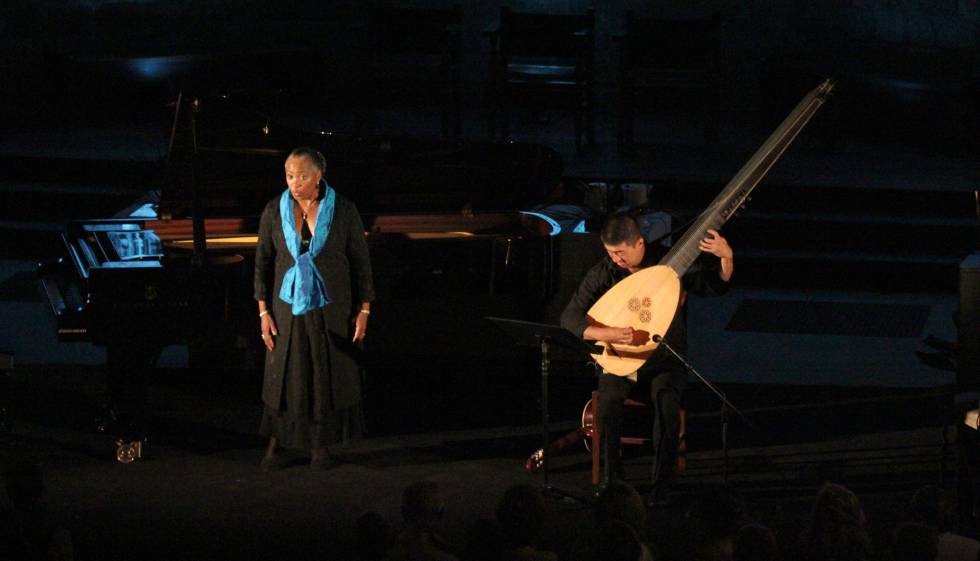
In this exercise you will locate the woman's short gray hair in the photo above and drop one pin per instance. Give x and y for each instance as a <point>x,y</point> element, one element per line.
<point>315,157</point>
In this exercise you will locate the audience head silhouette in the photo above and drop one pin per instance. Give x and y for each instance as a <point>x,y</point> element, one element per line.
<point>836,530</point>
<point>931,505</point>
<point>621,502</point>
<point>521,514</point>
<point>755,542</point>
<point>422,505</point>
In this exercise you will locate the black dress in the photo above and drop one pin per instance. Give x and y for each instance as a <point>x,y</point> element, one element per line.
<point>312,387</point>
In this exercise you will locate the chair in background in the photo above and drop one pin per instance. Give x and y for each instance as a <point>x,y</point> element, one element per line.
<point>544,56</point>
<point>669,63</point>
<point>414,60</point>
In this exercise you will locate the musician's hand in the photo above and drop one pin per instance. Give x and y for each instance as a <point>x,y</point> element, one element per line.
<point>360,327</point>
<point>716,245</point>
<point>269,331</point>
<point>620,335</point>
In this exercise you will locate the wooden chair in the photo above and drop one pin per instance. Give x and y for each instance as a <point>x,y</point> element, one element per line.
<point>643,425</point>
<point>543,55</point>
<point>414,58</point>
<point>637,419</point>
<point>675,61</point>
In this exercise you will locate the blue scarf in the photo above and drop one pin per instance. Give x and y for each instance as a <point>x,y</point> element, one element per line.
<point>303,285</point>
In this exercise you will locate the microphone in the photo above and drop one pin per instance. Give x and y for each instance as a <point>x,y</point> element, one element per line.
<point>657,338</point>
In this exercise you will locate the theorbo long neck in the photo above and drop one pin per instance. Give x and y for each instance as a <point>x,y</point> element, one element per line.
<point>686,250</point>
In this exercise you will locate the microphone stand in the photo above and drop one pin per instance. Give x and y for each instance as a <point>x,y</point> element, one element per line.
<point>725,404</point>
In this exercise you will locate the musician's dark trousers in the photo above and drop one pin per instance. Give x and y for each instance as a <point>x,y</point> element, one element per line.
<point>666,388</point>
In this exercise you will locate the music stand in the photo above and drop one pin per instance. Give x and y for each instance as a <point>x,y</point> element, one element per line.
<point>541,335</point>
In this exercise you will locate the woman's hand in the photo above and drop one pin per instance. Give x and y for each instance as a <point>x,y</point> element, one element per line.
<point>269,331</point>
<point>360,326</point>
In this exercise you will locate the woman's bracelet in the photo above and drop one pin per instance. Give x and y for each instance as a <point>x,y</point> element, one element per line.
<point>263,313</point>
<point>365,312</point>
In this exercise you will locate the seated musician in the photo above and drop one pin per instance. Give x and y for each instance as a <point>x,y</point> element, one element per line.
<point>628,252</point>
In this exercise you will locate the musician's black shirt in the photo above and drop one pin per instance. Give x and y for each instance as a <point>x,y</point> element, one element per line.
<point>702,278</point>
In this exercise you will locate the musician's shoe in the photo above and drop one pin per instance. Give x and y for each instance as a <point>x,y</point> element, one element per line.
<point>659,497</point>
<point>618,474</point>
<point>321,460</point>
<point>272,462</point>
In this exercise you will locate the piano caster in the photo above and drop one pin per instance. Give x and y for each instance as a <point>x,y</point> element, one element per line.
<point>128,451</point>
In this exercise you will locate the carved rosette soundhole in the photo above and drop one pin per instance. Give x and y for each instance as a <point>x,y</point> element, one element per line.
<point>647,302</point>
<point>645,316</point>
<point>633,304</point>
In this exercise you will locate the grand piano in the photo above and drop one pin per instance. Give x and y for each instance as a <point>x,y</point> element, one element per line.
<point>429,203</point>
<point>431,207</point>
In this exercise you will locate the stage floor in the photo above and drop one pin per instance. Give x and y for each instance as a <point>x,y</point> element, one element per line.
<point>199,494</point>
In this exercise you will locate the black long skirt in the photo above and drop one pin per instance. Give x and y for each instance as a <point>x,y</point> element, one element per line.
<point>301,421</point>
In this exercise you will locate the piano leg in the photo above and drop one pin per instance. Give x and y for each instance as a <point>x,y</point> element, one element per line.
<point>128,369</point>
